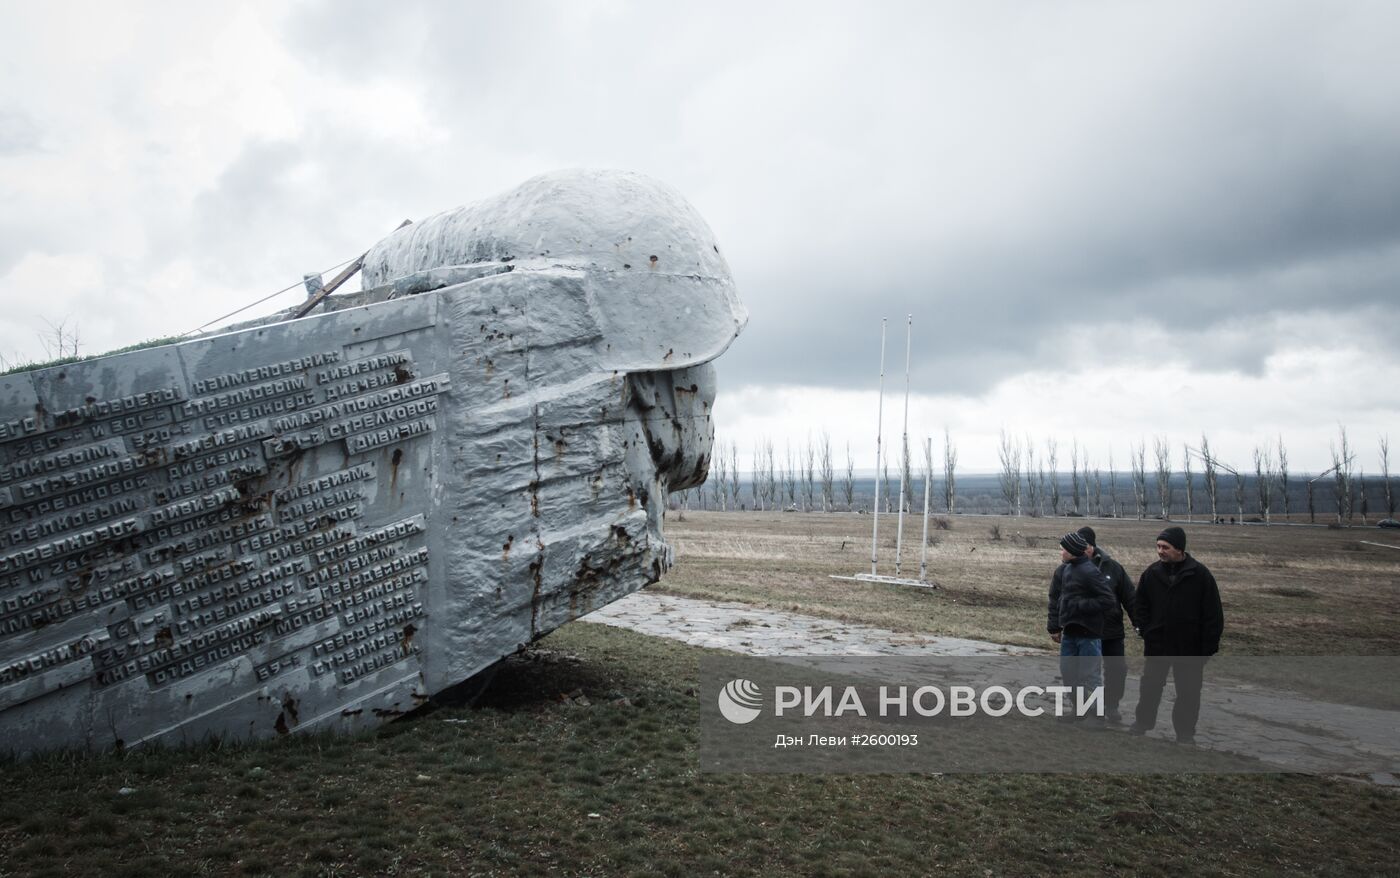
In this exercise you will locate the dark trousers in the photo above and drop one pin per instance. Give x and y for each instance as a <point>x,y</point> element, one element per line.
<point>1115,673</point>
<point>1187,672</point>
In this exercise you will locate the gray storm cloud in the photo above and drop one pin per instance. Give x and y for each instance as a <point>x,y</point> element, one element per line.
<point>1003,172</point>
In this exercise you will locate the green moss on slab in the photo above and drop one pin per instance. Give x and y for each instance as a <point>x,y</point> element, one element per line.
<point>63,361</point>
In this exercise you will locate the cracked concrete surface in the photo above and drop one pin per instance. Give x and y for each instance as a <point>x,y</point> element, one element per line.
<point>1285,731</point>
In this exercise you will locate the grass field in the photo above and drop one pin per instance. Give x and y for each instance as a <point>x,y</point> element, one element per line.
<point>580,759</point>
<point>1287,589</point>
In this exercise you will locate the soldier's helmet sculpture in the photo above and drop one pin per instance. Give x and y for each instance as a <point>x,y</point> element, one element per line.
<point>317,523</point>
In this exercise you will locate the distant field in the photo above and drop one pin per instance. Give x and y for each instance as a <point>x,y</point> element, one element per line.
<point>1287,589</point>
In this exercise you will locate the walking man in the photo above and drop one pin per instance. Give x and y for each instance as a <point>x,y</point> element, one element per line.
<point>1179,615</point>
<point>1079,599</point>
<point>1115,667</point>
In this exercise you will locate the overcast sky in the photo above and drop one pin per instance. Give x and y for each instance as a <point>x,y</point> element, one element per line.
<point>1110,221</point>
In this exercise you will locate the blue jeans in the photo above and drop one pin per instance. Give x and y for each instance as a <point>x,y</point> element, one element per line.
<point>1081,665</point>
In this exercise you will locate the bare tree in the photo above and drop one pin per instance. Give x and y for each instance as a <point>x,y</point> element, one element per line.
<point>61,341</point>
<point>1010,452</point>
<point>1312,510</point>
<point>1074,482</point>
<point>828,475</point>
<point>928,474</point>
<point>787,485</point>
<point>1212,466</point>
<point>1361,493</point>
<point>1034,494</point>
<point>775,494</point>
<point>906,475</point>
<point>1264,479</point>
<point>733,474</point>
<point>1190,487</point>
<point>1212,479</point>
<point>1137,459</point>
<point>756,477</point>
<point>1113,487</point>
<point>809,475</point>
<point>790,478</point>
<point>765,475</point>
<point>1098,492</point>
<point>886,477</point>
<point>781,477</point>
<point>950,466</point>
<point>1051,450</point>
<point>1043,485</point>
<point>1162,452</point>
<point>718,478</point>
<point>1341,475</point>
<point>1385,477</point>
<point>760,475</point>
<point>848,484</point>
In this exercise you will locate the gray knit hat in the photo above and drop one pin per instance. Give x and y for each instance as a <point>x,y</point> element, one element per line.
<point>1073,543</point>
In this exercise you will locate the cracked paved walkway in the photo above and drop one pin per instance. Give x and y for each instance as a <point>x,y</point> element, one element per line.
<point>753,631</point>
<point>1235,719</point>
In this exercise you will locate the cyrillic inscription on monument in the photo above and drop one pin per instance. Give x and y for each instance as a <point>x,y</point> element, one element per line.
<point>152,537</point>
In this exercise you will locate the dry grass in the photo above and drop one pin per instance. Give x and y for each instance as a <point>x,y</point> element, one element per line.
<point>531,781</point>
<point>1286,589</point>
<point>735,549</point>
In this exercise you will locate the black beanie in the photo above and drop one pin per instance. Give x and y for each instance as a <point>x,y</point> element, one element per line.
<point>1174,535</point>
<point>1073,543</point>
<point>1087,533</point>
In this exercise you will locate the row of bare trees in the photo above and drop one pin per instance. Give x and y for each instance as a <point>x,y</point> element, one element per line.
<point>1031,482</point>
<point>805,478</point>
<point>1027,489</point>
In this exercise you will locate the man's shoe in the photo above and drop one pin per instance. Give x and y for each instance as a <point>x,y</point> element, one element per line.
<point>1114,718</point>
<point>1186,740</point>
<point>1136,729</point>
<point>1093,723</point>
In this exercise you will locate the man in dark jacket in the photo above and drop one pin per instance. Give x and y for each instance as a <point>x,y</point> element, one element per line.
<point>1115,667</point>
<point>1079,599</point>
<point>1179,615</point>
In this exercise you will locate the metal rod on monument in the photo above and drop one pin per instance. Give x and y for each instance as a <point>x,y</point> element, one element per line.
<point>928,477</point>
<point>904,445</point>
<point>319,295</point>
<point>879,433</point>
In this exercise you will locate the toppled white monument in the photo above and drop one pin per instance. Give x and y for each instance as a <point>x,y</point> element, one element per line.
<point>317,523</point>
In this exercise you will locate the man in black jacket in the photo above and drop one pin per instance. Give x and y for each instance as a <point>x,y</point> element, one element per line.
<point>1179,615</point>
<point>1115,667</point>
<point>1079,599</point>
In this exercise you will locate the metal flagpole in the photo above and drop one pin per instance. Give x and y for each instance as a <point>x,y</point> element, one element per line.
<point>928,477</point>
<point>879,432</point>
<point>904,446</point>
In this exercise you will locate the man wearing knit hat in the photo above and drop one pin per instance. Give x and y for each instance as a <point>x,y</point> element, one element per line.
<point>1115,667</point>
<point>1179,615</point>
<point>1079,598</point>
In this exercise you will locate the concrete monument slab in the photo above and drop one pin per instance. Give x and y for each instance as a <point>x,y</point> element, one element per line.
<point>318,523</point>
